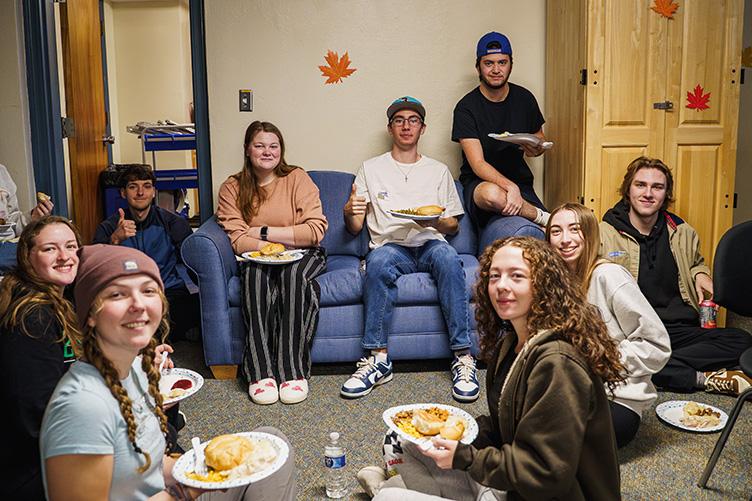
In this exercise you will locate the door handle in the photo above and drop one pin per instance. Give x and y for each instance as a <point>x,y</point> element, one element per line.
<point>108,139</point>
<point>664,105</point>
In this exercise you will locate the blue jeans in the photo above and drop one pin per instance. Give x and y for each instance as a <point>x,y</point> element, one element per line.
<point>384,265</point>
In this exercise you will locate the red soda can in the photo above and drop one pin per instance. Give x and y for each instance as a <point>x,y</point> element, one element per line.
<point>708,312</point>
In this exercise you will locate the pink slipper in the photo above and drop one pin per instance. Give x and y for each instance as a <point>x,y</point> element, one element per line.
<point>264,391</point>
<point>293,391</point>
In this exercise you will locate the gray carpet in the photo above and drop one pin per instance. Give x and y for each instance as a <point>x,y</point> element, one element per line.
<point>661,463</point>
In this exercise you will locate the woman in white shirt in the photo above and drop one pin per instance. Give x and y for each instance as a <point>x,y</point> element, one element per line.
<point>643,341</point>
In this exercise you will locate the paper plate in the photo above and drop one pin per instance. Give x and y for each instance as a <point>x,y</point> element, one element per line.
<point>288,257</point>
<point>671,412</point>
<point>471,431</point>
<point>186,464</point>
<point>171,376</point>
<point>523,138</point>
<point>414,217</point>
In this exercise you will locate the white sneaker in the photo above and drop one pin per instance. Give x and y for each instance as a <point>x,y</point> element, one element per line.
<point>371,478</point>
<point>264,391</point>
<point>293,391</point>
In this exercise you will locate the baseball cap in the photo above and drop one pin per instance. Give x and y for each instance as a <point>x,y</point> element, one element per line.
<point>406,103</point>
<point>488,39</point>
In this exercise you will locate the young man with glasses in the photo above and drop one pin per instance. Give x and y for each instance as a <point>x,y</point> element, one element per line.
<point>495,177</point>
<point>401,179</point>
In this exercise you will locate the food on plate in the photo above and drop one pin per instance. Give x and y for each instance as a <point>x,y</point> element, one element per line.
<point>229,457</point>
<point>429,422</point>
<point>429,210</point>
<point>179,388</point>
<point>42,197</point>
<point>2,220</point>
<point>272,249</point>
<point>695,415</point>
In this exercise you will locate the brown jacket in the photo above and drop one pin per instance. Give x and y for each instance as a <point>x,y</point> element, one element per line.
<point>292,200</point>
<point>557,440</point>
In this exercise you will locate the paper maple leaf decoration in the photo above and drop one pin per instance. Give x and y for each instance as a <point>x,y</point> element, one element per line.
<point>666,8</point>
<point>697,100</point>
<point>337,68</point>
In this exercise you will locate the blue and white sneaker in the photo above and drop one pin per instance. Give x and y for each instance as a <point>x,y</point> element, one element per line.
<point>369,374</point>
<point>465,387</point>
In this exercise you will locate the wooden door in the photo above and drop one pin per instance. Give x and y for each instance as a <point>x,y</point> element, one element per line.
<point>627,73</point>
<point>700,144</point>
<point>84,94</point>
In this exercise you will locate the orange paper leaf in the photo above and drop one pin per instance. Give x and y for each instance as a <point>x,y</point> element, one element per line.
<point>666,8</point>
<point>697,100</point>
<point>337,68</point>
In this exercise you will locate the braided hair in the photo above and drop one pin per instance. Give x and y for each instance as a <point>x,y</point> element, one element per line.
<point>93,354</point>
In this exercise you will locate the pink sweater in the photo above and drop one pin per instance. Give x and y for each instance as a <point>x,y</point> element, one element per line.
<point>292,200</point>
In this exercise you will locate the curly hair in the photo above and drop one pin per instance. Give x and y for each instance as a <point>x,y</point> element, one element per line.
<point>22,291</point>
<point>250,194</point>
<point>93,354</point>
<point>558,304</point>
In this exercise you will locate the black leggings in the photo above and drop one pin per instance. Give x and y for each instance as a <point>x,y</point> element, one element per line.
<point>626,422</point>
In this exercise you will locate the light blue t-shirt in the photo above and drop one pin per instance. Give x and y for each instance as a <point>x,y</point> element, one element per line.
<point>83,417</point>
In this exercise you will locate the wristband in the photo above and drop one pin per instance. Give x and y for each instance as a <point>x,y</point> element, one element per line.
<point>264,233</point>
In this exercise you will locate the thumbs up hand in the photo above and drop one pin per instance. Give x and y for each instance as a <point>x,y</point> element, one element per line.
<point>125,229</point>
<point>355,206</point>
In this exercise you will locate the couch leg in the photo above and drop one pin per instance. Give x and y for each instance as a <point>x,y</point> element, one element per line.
<point>224,371</point>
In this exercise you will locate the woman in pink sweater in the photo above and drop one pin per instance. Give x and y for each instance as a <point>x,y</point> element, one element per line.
<point>269,201</point>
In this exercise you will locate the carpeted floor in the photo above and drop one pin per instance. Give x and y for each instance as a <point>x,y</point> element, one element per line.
<point>661,463</point>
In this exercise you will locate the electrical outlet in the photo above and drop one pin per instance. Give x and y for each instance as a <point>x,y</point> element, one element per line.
<point>246,100</point>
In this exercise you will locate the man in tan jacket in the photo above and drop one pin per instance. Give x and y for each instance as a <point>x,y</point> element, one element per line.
<point>662,252</point>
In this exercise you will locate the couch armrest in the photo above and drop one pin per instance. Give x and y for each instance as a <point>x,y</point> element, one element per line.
<point>209,254</point>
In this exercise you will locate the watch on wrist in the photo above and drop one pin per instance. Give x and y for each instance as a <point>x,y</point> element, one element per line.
<point>264,233</point>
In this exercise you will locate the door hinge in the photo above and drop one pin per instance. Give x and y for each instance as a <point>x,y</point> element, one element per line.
<point>736,196</point>
<point>741,77</point>
<point>665,105</point>
<point>58,1</point>
<point>69,128</point>
<point>581,199</point>
<point>583,76</point>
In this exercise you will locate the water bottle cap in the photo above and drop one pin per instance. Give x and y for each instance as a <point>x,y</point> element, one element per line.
<point>334,436</point>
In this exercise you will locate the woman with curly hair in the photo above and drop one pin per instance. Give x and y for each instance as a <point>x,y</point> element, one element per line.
<point>548,433</point>
<point>644,344</point>
<point>103,433</point>
<point>269,202</point>
<point>38,334</point>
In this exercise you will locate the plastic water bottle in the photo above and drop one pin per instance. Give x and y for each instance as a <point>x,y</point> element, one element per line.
<point>334,459</point>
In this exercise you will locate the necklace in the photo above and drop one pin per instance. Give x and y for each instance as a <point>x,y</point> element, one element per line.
<point>405,173</point>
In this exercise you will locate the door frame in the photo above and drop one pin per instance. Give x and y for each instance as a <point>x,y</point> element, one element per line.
<point>43,91</point>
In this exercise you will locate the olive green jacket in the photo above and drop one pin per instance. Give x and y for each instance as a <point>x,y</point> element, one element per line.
<point>557,440</point>
<point>623,249</point>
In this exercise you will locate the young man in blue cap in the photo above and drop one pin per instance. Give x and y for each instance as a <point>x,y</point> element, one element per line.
<point>494,174</point>
<point>399,179</point>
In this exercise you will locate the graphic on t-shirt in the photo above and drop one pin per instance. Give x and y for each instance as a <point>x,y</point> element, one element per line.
<point>383,195</point>
<point>68,354</point>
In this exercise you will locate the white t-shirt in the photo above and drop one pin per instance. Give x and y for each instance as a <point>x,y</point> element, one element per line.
<point>388,185</point>
<point>83,417</point>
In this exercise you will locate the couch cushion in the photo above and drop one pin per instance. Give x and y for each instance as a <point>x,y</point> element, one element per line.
<point>342,283</point>
<point>508,226</point>
<point>420,288</point>
<point>233,290</point>
<point>465,241</point>
<point>334,190</point>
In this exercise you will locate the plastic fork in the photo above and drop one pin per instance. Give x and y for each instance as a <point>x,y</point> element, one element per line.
<point>163,362</point>
<point>199,465</point>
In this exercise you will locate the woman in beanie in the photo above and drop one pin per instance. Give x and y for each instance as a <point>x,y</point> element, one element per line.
<point>103,433</point>
<point>267,202</point>
<point>38,335</point>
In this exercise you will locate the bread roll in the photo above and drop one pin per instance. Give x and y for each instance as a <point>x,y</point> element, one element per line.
<point>430,210</point>
<point>272,249</point>
<point>427,423</point>
<point>225,452</point>
<point>42,197</point>
<point>453,429</point>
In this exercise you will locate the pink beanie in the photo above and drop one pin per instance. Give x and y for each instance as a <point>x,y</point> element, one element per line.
<point>101,264</point>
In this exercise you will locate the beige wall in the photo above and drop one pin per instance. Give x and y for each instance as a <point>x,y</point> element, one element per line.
<point>148,71</point>
<point>422,48</point>
<point>15,147</point>
<point>743,211</point>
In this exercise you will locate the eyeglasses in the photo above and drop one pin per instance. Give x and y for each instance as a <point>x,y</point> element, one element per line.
<point>413,121</point>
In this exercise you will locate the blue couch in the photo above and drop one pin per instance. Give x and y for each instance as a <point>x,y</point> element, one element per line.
<point>418,330</point>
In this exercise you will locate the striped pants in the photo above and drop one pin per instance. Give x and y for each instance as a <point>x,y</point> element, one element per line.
<point>281,314</point>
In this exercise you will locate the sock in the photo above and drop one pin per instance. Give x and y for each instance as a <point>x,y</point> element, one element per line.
<point>380,356</point>
<point>701,379</point>
<point>459,353</point>
<point>542,217</point>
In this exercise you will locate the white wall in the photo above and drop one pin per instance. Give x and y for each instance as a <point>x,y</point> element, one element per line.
<point>15,147</point>
<point>148,72</point>
<point>743,211</point>
<point>422,48</point>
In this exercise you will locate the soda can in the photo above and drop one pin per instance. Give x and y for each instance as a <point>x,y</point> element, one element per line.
<point>708,312</point>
